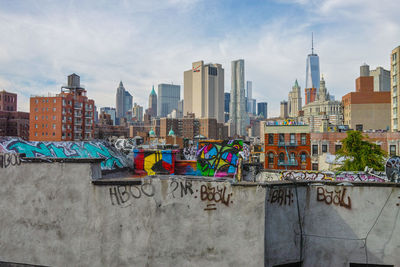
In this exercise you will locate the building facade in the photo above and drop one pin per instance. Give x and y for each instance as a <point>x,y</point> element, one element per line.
<point>262,109</point>
<point>204,91</point>
<point>312,72</point>
<point>366,108</point>
<point>168,97</point>
<point>111,111</point>
<point>284,109</point>
<point>137,112</point>
<point>123,102</point>
<point>8,101</point>
<point>153,103</point>
<point>287,147</point>
<point>238,118</point>
<point>294,103</point>
<point>67,116</point>
<point>381,79</point>
<point>394,79</point>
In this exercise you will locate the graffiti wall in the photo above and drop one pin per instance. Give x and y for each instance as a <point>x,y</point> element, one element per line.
<point>332,176</point>
<point>186,167</point>
<point>152,162</point>
<point>113,159</point>
<point>218,158</point>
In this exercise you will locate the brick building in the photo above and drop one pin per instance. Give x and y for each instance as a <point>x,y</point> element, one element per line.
<point>67,116</point>
<point>287,147</point>
<point>12,122</point>
<point>365,108</point>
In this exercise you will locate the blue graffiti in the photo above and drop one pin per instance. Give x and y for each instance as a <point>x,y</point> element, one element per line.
<point>113,159</point>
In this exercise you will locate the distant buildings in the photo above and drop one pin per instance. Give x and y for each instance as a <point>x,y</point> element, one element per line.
<point>68,116</point>
<point>168,98</point>
<point>204,91</point>
<point>262,109</point>
<point>137,112</point>
<point>394,80</point>
<point>295,102</point>
<point>381,79</point>
<point>238,116</point>
<point>111,111</point>
<point>123,102</point>
<point>12,122</point>
<point>153,103</point>
<point>251,103</point>
<point>366,108</point>
<point>284,110</point>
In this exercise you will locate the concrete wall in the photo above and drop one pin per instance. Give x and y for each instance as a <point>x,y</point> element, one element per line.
<point>51,214</point>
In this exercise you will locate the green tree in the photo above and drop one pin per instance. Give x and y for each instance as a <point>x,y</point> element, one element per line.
<point>357,153</point>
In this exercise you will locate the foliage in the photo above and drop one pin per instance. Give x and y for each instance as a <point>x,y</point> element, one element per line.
<point>357,153</point>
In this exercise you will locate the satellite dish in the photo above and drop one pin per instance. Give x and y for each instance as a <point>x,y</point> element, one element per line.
<point>392,169</point>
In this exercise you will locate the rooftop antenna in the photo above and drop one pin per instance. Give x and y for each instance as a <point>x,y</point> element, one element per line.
<point>312,43</point>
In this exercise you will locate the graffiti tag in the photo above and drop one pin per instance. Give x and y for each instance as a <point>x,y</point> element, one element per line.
<point>215,194</point>
<point>281,196</point>
<point>9,159</point>
<point>123,195</point>
<point>336,197</point>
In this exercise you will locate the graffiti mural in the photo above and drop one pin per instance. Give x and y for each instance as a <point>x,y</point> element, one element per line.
<point>331,176</point>
<point>218,158</point>
<point>392,169</point>
<point>186,167</point>
<point>113,159</point>
<point>152,162</point>
<point>304,175</point>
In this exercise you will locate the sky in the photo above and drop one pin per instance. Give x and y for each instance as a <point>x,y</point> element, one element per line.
<point>144,43</point>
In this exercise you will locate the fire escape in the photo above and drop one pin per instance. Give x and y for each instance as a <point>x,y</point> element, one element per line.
<point>288,145</point>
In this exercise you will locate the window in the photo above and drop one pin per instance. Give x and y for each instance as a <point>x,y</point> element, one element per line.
<point>270,158</point>
<point>394,58</point>
<point>281,138</point>
<point>36,101</point>
<point>270,139</point>
<point>212,71</point>
<point>314,167</point>
<point>292,157</point>
<point>54,100</point>
<point>36,109</point>
<point>292,138</point>
<point>54,126</point>
<point>54,117</point>
<point>324,148</point>
<point>35,134</point>
<point>303,157</point>
<point>281,157</point>
<point>337,147</point>
<point>36,126</point>
<point>54,133</point>
<point>54,109</point>
<point>392,150</point>
<point>303,137</point>
<point>36,118</point>
<point>315,150</point>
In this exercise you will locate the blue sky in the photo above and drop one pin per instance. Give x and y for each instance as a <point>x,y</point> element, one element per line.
<point>149,42</point>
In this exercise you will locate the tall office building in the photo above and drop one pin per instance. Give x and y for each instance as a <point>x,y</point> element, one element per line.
<point>204,91</point>
<point>168,98</point>
<point>381,79</point>
<point>284,110</point>
<point>262,109</point>
<point>294,100</point>
<point>153,103</point>
<point>110,111</point>
<point>251,103</point>
<point>238,118</point>
<point>312,75</point>
<point>68,116</point>
<point>227,100</point>
<point>123,102</point>
<point>395,74</point>
<point>137,112</point>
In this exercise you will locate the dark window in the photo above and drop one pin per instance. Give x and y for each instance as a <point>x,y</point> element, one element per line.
<point>281,157</point>
<point>337,147</point>
<point>392,150</point>
<point>324,148</point>
<point>281,138</point>
<point>359,127</point>
<point>303,157</point>
<point>270,139</point>
<point>314,166</point>
<point>303,137</point>
<point>212,71</point>
<point>270,158</point>
<point>315,150</point>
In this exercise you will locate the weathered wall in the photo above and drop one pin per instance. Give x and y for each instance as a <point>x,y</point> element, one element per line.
<point>51,214</point>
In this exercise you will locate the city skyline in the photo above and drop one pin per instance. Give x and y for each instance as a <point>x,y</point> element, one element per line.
<point>37,58</point>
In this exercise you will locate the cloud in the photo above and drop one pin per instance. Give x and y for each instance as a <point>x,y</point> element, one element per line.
<point>149,42</point>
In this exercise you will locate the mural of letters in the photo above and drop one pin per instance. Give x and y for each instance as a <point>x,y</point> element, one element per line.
<point>152,162</point>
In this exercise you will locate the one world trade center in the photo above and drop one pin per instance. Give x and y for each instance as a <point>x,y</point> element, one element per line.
<point>312,75</point>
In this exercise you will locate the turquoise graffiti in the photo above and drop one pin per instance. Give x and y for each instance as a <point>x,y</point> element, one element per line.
<point>113,159</point>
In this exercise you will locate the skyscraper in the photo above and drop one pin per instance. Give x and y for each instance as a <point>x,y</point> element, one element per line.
<point>294,100</point>
<point>153,103</point>
<point>137,112</point>
<point>312,75</point>
<point>395,73</point>
<point>251,103</point>
<point>262,109</point>
<point>168,98</point>
<point>204,91</point>
<point>110,111</point>
<point>123,102</point>
<point>227,100</point>
<point>238,116</point>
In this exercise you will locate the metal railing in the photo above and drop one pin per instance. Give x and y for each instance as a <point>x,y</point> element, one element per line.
<point>290,162</point>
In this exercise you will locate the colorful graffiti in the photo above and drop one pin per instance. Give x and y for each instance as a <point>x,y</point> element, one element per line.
<point>113,159</point>
<point>392,169</point>
<point>218,158</point>
<point>152,162</point>
<point>186,167</point>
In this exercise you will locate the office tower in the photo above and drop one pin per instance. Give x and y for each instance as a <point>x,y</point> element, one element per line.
<point>123,102</point>
<point>262,109</point>
<point>365,108</point>
<point>168,98</point>
<point>395,73</point>
<point>137,112</point>
<point>238,117</point>
<point>381,79</point>
<point>153,103</point>
<point>204,91</point>
<point>68,116</point>
<point>294,100</point>
<point>227,100</point>
<point>110,111</point>
<point>312,75</point>
<point>284,110</point>
<point>251,103</point>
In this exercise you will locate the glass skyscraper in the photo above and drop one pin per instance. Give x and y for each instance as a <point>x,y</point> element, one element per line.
<point>168,98</point>
<point>312,70</point>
